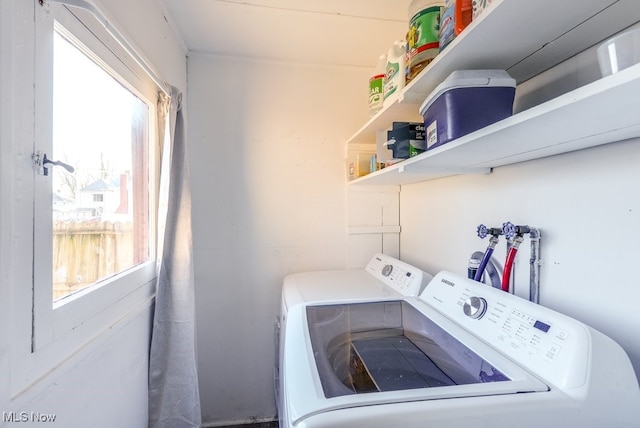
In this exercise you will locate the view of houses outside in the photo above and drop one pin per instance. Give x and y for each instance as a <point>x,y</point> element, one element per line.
<point>99,128</point>
<point>92,234</point>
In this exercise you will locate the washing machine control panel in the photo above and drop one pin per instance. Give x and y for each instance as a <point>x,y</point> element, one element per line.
<point>402,277</point>
<point>530,334</point>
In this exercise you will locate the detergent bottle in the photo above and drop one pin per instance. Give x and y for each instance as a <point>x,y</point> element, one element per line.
<point>394,78</point>
<point>376,85</point>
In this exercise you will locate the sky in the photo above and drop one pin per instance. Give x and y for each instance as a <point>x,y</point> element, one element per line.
<point>85,122</point>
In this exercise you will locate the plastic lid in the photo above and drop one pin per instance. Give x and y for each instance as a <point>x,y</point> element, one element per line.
<point>420,5</point>
<point>469,79</point>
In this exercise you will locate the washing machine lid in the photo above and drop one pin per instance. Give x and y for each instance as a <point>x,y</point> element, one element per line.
<point>383,276</point>
<point>401,348</point>
<point>332,285</point>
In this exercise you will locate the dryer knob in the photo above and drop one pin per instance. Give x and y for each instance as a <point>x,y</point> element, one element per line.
<point>475,307</point>
<point>386,270</point>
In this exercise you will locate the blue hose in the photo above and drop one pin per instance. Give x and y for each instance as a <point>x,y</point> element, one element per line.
<point>483,231</point>
<point>491,270</point>
<point>483,263</point>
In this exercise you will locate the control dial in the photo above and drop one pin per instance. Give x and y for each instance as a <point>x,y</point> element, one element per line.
<point>475,307</point>
<point>386,270</point>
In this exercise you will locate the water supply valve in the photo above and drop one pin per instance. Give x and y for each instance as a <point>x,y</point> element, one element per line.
<point>510,230</point>
<point>483,231</point>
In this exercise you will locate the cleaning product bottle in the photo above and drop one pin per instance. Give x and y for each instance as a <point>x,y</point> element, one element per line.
<point>423,35</point>
<point>376,85</point>
<point>394,78</point>
<point>457,14</point>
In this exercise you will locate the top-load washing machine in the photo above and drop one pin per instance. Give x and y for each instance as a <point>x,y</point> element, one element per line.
<point>460,354</point>
<point>383,277</point>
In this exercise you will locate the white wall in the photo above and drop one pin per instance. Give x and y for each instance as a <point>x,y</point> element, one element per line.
<point>269,198</point>
<point>585,203</point>
<point>268,182</point>
<point>267,149</point>
<point>104,383</point>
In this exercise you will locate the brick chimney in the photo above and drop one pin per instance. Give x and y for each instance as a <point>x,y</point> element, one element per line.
<point>124,195</point>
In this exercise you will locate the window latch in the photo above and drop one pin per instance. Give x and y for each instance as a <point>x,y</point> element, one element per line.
<point>40,160</point>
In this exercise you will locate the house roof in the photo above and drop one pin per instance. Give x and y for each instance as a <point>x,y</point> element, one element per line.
<point>59,198</point>
<point>99,186</point>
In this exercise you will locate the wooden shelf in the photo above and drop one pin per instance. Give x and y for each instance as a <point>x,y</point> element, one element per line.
<point>602,112</point>
<point>521,36</point>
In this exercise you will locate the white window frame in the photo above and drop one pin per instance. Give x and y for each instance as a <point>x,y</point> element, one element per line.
<point>44,334</point>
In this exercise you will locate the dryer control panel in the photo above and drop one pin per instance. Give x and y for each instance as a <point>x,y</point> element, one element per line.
<point>539,338</point>
<point>402,277</point>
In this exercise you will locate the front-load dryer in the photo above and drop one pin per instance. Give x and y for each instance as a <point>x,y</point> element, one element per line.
<point>461,354</point>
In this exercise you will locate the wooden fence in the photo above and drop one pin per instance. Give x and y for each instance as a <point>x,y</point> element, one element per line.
<point>88,251</point>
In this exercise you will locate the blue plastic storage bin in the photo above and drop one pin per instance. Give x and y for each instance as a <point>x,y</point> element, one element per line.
<point>466,101</point>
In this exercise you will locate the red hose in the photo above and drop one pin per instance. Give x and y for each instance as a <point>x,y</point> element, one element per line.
<point>506,275</point>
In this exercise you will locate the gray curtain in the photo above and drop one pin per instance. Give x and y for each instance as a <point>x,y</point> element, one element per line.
<point>174,399</point>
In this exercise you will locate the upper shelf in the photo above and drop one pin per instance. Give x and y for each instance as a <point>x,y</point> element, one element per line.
<point>521,36</point>
<point>602,112</point>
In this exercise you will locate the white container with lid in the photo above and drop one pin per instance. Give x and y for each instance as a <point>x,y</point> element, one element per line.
<point>619,52</point>
<point>423,35</point>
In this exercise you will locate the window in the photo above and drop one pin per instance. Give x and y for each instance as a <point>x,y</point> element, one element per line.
<point>45,331</point>
<point>100,128</point>
<point>93,228</point>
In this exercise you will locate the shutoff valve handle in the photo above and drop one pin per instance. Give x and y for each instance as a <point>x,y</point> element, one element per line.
<point>484,231</point>
<point>510,230</point>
